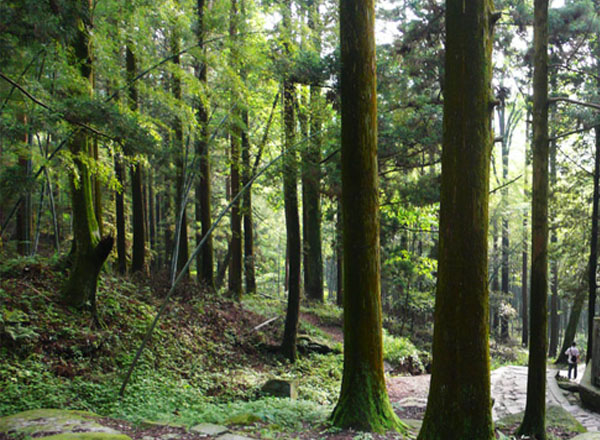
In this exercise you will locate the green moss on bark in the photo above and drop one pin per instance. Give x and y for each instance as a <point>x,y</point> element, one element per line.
<point>459,403</point>
<point>363,403</point>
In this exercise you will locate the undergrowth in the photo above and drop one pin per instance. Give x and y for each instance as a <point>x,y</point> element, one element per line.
<point>204,363</point>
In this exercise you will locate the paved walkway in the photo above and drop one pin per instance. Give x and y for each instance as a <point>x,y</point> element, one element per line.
<point>509,388</point>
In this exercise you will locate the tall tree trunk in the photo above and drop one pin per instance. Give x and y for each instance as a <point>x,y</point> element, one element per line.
<point>180,156</point>
<point>292,224</point>
<point>151,212</point>
<point>339,255</point>
<point>249,270</point>
<point>290,200</point>
<point>525,254</point>
<point>554,302</point>
<point>137,212</point>
<point>363,404</point>
<point>120,217</point>
<point>311,202</point>
<point>96,188</point>
<point>593,261</point>
<point>203,188</point>
<point>535,410</point>
<point>23,217</point>
<point>235,265</point>
<point>495,279</point>
<point>90,250</point>
<point>504,334</point>
<point>459,403</point>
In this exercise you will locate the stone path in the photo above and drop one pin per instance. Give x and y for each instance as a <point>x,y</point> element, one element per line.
<point>509,388</point>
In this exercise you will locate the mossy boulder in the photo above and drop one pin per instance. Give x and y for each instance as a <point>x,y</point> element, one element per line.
<point>57,424</point>
<point>556,417</point>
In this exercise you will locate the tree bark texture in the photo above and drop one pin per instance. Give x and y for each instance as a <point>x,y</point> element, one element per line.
<point>525,257</point>
<point>137,212</point>
<point>459,403</point>
<point>203,188</point>
<point>363,404</point>
<point>120,218</point>
<point>90,250</point>
<point>554,301</point>
<point>180,208</point>
<point>235,264</point>
<point>593,260</point>
<point>535,409</point>
<point>249,271</point>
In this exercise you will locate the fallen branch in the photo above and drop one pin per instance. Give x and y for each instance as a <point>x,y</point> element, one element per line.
<point>267,322</point>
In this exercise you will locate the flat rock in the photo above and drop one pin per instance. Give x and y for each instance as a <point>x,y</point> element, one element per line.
<point>209,429</point>
<point>58,424</point>
<point>233,437</point>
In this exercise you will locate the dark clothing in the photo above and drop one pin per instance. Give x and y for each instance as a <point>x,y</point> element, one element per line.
<point>571,368</point>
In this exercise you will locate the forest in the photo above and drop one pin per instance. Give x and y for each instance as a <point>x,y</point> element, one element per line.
<point>299,219</point>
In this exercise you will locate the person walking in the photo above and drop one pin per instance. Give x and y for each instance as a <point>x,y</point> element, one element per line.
<point>572,357</point>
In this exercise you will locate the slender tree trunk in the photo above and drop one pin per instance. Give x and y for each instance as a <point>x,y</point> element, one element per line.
<point>23,217</point>
<point>151,212</point>
<point>363,402</point>
<point>339,256</point>
<point>120,218</point>
<point>535,410</point>
<point>292,224</point>
<point>203,188</point>
<point>495,279</point>
<point>459,403</point>
<point>249,270</point>
<point>180,156</point>
<point>504,333</point>
<point>525,254</point>
<point>554,303</point>
<point>593,261</point>
<point>97,189</point>
<point>137,212</point>
<point>235,265</point>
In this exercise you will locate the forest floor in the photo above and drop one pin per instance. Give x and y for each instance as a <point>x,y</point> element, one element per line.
<point>206,362</point>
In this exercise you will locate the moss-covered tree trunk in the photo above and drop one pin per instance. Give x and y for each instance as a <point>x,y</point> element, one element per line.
<point>203,188</point>
<point>89,249</point>
<point>459,403</point>
<point>363,402</point>
<point>535,409</point>
<point>235,264</point>
<point>137,212</point>
<point>23,215</point>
